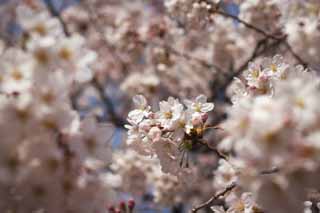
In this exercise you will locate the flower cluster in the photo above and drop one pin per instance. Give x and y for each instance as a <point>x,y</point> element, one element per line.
<point>261,76</point>
<point>195,11</point>
<point>56,157</point>
<point>275,131</point>
<point>302,28</point>
<point>50,158</point>
<point>169,131</point>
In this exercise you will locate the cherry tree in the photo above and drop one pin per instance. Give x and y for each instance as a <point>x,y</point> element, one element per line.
<point>133,106</point>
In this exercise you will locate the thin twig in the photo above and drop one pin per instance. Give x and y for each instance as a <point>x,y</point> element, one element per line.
<point>216,151</point>
<point>299,59</point>
<point>256,52</point>
<point>189,57</point>
<point>270,171</point>
<point>215,197</point>
<point>264,33</point>
<point>96,23</point>
<point>115,119</point>
<point>246,24</point>
<point>57,14</point>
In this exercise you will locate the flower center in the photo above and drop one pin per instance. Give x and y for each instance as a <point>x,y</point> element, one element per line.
<point>197,108</point>
<point>300,102</point>
<point>48,97</point>
<point>168,115</point>
<point>273,68</point>
<point>255,73</point>
<point>40,28</point>
<point>16,75</point>
<point>65,53</point>
<point>41,56</point>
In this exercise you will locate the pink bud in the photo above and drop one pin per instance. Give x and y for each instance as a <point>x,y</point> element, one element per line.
<point>145,126</point>
<point>131,204</point>
<point>111,209</point>
<point>204,117</point>
<point>151,115</point>
<point>122,206</point>
<point>155,134</point>
<point>196,119</point>
<point>264,78</point>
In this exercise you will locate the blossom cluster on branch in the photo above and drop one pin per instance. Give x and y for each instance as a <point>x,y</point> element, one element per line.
<point>224,116</point>
<point>272,130</point>
<point>168,132</point>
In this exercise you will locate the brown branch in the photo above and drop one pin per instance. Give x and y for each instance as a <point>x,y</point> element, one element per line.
<point>189,57</point>
<point>295,55</point>
<point>216,151</point>
<point>94,18</point>
<point>56,14</point>
<point>115,119</point>
<point>270,171</point>
<point>246,24</point>
<point>214,198</point>
<point>264,33</point>
<point>256,52</point>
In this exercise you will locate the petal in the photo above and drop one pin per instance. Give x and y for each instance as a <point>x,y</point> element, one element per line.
<point>277,59</point>
<point>217,209</point>
<point>136,116</point>
<point>140,101</point>
<point>207,107</point>
<point>188,103</point>
<point>201,99</point>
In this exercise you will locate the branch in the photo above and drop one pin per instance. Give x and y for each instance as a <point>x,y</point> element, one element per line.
<point>188,57</point>
<point>115,119</point>
<point>56,14</point>
<point>256,52</point>
<point>216,151</point>
<point>246,24</point>
<point>264,33</point>
<point>295,55</point>
<point>215,197</point>
<point>270,171</point>
<point>94,18</point>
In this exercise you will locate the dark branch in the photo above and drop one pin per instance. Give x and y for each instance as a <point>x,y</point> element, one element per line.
<point>215,197</point>
<point>264,33</point>
<point>188,57</point>
<point>246,24</point>
<point>270,171</point>
<point>260,48</point>
<point>57,14</point>
<point>216,151</point>
<point>115,119</point>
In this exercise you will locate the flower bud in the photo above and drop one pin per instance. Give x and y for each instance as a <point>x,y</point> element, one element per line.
<point>131,204</point>
<point>111,209</point>
<point>196,119</point>
<point>145,125</point>
<point>204,117</point>
<point>122,206</point>
<point>155,134</point>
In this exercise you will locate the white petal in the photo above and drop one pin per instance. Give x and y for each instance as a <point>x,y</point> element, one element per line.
<point>136,116</point>
<point>217,209</point>
<point>207,107</point>
<point>140,101</point>
<point>201,99</point>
